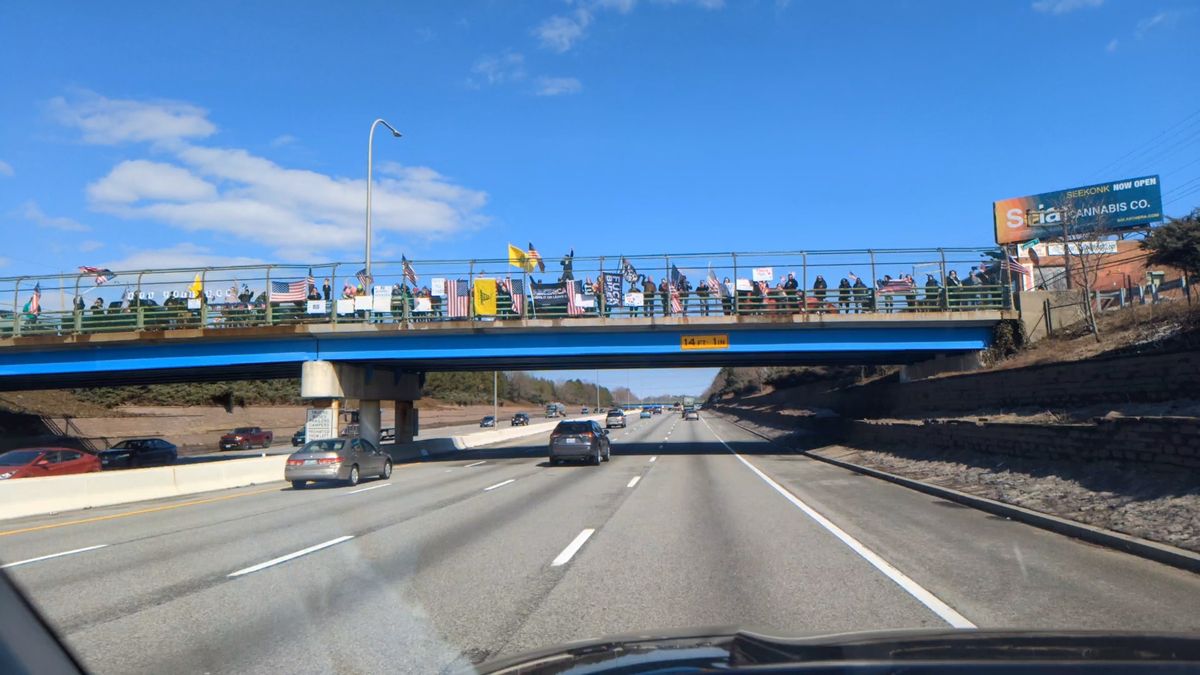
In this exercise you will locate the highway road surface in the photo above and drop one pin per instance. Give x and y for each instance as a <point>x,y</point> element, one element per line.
<point>495,552</point>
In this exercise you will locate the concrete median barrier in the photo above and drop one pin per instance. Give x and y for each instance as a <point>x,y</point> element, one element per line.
<point>54,494</point>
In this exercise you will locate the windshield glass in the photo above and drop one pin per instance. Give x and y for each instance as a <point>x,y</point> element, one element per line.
<point>929,268</point>
<point>19,457</point>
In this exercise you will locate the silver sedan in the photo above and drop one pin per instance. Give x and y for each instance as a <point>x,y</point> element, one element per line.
<point>339,459</point>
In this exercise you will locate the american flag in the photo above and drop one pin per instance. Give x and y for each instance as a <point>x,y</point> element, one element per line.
<point>714,286</point>
<point>1014,265</point>
<point>289,291</point>
<point>409,273</point>
<point>574,293</point>
<point>896,286</point>
<point>365,279</point>
<point>103,274</point>
<point>516,288</point>
<point>541,265</point>
<point>458,298</point>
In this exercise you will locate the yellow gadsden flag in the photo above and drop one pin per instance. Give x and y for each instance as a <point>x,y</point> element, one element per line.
<point>519,258</point>
<point>485,297</point>
<point>197,287</point>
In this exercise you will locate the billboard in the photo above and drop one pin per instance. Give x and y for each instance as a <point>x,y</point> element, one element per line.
<point>1106,206</point>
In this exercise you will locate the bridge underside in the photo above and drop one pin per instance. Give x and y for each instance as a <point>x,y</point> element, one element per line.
<point>184,356</point>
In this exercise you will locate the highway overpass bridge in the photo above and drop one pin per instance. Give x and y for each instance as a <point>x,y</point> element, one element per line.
<point>172,327</point>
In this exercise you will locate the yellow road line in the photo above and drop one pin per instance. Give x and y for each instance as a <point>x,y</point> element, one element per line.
<point>165,507</point>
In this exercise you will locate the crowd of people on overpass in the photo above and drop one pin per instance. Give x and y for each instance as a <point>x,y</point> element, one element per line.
<point>638,295</point>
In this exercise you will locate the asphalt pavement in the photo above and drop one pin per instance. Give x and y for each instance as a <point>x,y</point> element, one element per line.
<point>493,552</point>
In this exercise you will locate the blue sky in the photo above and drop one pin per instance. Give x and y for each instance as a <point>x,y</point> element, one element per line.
<point>221,132</point>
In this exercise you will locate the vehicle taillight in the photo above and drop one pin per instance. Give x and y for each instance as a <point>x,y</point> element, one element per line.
<point>330,460</point>
<point>555,437</point>
<point>295,462</point>
<point>590,434</point>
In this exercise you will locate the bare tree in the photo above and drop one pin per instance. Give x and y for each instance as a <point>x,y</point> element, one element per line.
<point>1085,249</point>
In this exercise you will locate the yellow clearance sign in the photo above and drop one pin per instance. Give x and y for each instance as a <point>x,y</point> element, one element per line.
<point>704,342</point>
<point>485,297</point>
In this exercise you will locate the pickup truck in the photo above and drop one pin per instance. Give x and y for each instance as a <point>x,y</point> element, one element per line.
<point>244,438</point>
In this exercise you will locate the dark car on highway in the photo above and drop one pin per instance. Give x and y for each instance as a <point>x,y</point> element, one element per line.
<point>489,421</point>
<point>580,440</point>
<point>38,462</point>
<point>298,437</point>
<point>519,420</point>
<point>139,452</point>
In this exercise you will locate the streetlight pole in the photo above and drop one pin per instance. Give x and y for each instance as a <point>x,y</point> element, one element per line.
<point>495,397</point>
<point>370,152</point>
<point>597,390</point>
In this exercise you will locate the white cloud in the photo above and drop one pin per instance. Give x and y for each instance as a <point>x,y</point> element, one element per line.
<point>5,262</point>
<point>556,86</point>
<point>1112,45</point>
<point>139,179</point>
<point>1064,6</point>
<point>5,168</point>
<point>282,140</point>
<point>31,211</point>
<point>292,213</point>
<point>560,33</point>
<point>106,121</point>
<point>90,245</point>
<point>1164,19</point>
<point>498,69</point>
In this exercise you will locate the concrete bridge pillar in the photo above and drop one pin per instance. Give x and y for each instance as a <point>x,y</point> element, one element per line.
<point>368,421</point>
<point>369,384</point>
<point>406,421</point>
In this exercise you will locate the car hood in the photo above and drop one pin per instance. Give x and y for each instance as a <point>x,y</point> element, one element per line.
<point>725,648</point>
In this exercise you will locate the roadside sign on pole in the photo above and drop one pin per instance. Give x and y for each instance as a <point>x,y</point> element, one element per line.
<point>1026,245</point>
<point>319,426</point>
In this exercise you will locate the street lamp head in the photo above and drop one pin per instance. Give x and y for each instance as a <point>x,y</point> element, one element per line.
<point>395,133</point>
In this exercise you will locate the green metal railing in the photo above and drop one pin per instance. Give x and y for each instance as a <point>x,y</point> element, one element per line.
<point>707,284</point>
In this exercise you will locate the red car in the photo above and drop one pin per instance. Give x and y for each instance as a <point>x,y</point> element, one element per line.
<point>244,438</point>
<point>37,462</point>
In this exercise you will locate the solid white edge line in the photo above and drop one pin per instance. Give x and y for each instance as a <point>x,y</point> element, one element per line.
<point>482,461</point>
<point>501,484</point>
<point>373,487</point>
<point>922,595</point>
<point>573,548</point>
<point>633,481</point>
<point>290,556</point>
<point>52,555</point>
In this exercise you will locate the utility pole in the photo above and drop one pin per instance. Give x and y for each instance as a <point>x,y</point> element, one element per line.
<point>495,399</point>
<point>597,390</point>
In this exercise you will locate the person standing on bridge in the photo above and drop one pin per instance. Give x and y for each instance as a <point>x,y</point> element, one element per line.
<point>932,292</point>
<point>648,296</point>
<point>327,290</point>
<point>727,297</point>
<point>792,292</point>
<point>664,291</point>
<point>819,289</point>
<point>953,289</point>
<point>843,296</point>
